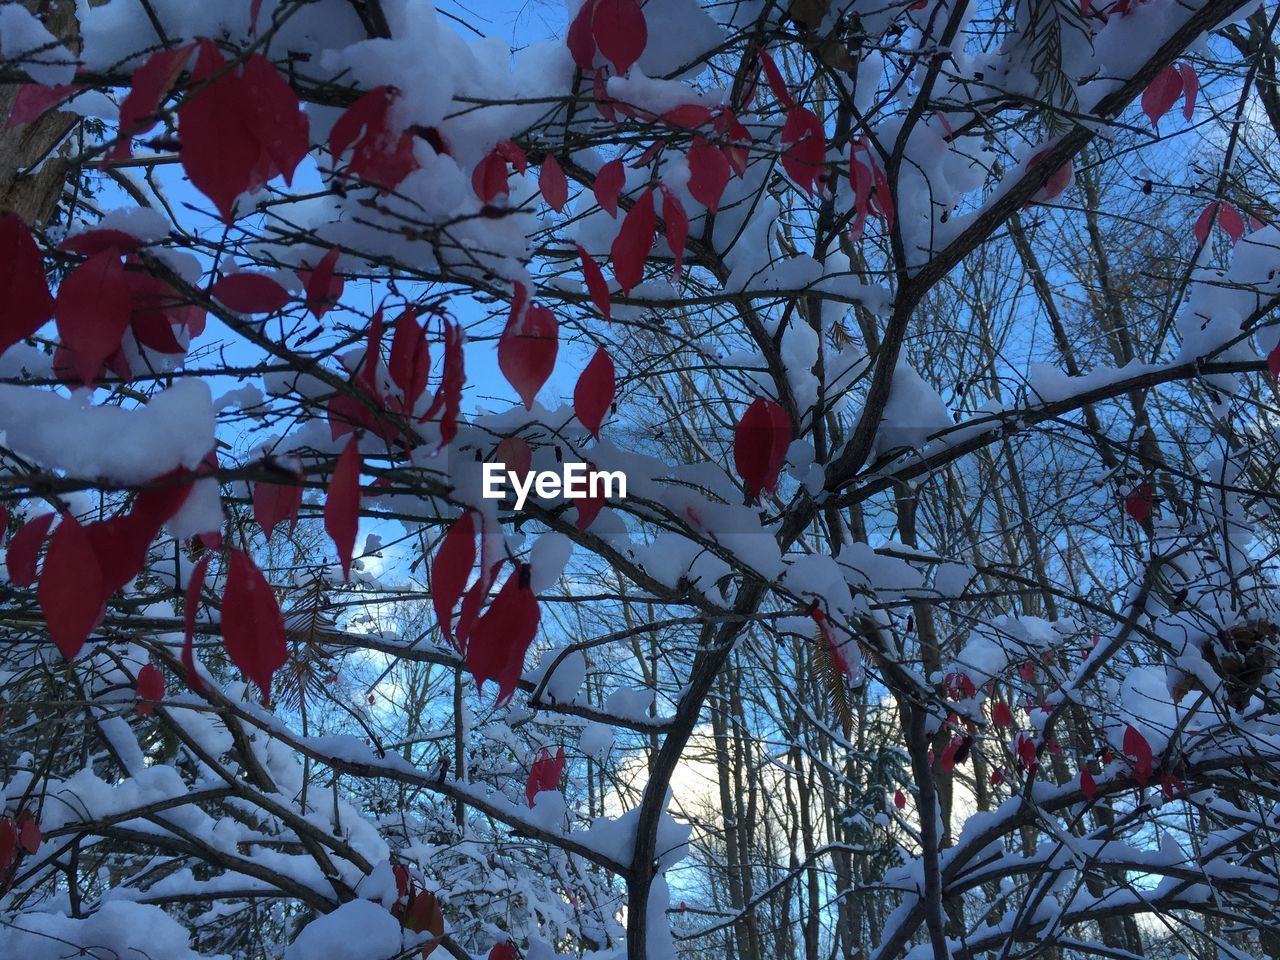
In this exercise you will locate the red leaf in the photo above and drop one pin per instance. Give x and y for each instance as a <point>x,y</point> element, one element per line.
<point>1204,222</point>
<point>497,645</point>
<point>589,507</point>
<point>688,116</point>
<point>448,398</point>
<point>252,627</point>
<point>605,105</point>
<point>367,373</point>
<point>151,82</point>
<point>760,445</point>
<point>1231,222</point>
<point>1161,94</point>
<point>8,845</point>
<point>505,950</point>
<point>191,603</point>
<point>71,589</point>
<point>489,178</point>
<point>379,155</point>
<point>593,394</point>
<point>544,774</point>
<point>620,32</point>
<point>273,115</point>
<point>28,833</point>
<point>158,309</point>
<point>248,292</point>
<point>34,100</point>
<point>422,913</point>
<point>1139,502</point>
<point>860,179</point>
<point>527,350</point>
<point>1190,88</point>
<point>93,310</point>
<point>677,223</point>
<point>1087,785</point>
<point>24,549</point>
<point>805,156</point>
<point>774,76</point>
<point>511,152</point>
<point>150,688</point>
<point>323,287</point>
<point>552,183</point>
<point>608,184</point>
<point>708,175</point>
<point>899,800</point>
<point>1058,181</point>
<point>596,285</point>
<point>1001,715</point>
<point>949,754</point>
<point>274,503</point>
<point>634,241</point>
<point>342,505</point>
<point>580,40</point>
<point>1027,755</point>
<point>1137,748</point>
<point>410,360</point>
<point>23,290</point>
<point>1273,364</point>
<point>514,454</point>
<point>450,569</point>
<point>219,154</point>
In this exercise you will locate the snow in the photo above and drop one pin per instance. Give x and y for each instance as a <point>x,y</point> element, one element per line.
<point>24,38</point>
<point>128,446</point>
<point>118,928</point>
<point>356,930</point>
<point>568,670</point>
<point>913,413</point>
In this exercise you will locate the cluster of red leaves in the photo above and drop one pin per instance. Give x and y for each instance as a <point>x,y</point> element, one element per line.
<point>100,301</point>
<point>489,179</point>
<point>871,192</point>
<point>381,154</point>
<point>103,298</point>
<point>240,126</point>
<point>1174,81</point>
<point>408,367</point>
<point>614,28</point>
<point>493,643</point>
<point>18,835</point>
<point>1226,216</point>
<point>417,910</point>
<point>544,774</point>
<point>84,565</point>
<point>760,444</point>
